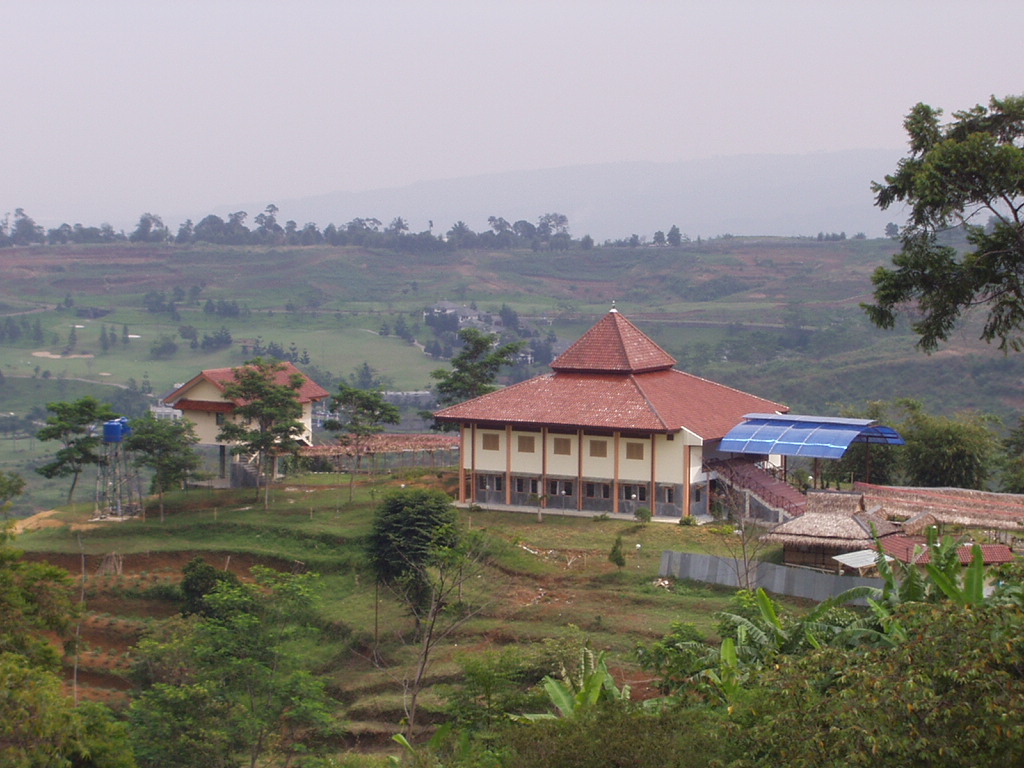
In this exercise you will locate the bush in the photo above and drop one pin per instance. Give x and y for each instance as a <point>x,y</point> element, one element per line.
<point>642,515</point>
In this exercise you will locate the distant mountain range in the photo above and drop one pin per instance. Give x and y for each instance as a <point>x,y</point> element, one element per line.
<point>741,195</point>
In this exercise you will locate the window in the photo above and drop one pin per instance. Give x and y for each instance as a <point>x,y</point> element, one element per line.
<point>219,418</point>
<point>635,451</point>
<point>670,495</point>
<point>489,442</point>
<point>599,448</point>
<point>481,482</point>
<point>670,437</point>
<point>634,492</point>
<point>499,483</point>
<point>590,490</point>
<point>598,490</point>
<point>560,488</point>
<point>563,446</point>
<point>534,485</point>
<point>606,491</point>
<point>526,444</point>
<point>520,485</point>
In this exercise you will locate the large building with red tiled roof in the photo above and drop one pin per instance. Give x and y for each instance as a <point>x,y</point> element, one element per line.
<point>612,428</point>
<point>201,400</point>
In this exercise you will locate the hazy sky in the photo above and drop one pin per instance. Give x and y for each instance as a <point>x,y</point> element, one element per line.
<point>115,108</point>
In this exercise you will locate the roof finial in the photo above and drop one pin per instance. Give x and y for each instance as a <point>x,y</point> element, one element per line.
<point>613,309</point>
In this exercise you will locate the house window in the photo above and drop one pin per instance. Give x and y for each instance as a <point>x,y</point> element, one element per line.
<point>499,483</point>
<point>670,495</point>
<point>560,488</point>
<point>481,482</point>
<point>599,490</point>
<point>490,442</point>
<point>534,485</point>
<point>526,444</point>
<point>634,492</point>
<point>590,490</point>
<point>520,485</point>
<point>606,491</point>
<point>219,419</point>
<point>696,495</point>
<point>635,451</point>
<point>670,437</point>
<point>563,446</point>
<point>599,448</point>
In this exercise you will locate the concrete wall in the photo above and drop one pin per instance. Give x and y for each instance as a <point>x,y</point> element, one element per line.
<point>779,579</point>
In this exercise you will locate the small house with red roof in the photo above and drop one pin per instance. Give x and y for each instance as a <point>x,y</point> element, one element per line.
<point>201,400</point>
<point>613,427</point>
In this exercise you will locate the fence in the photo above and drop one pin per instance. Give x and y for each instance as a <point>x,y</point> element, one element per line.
<point>780,579</point>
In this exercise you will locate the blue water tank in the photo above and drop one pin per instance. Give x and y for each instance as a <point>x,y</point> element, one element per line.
<point>126,428</point>
<point>112,431</point>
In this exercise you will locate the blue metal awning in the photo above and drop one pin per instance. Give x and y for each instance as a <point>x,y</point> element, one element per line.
<point>817,437</point>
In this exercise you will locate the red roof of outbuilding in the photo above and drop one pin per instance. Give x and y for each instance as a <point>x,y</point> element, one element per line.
<point>903,548</point>
<point>309,392</point>
<point>593,394</point>
<point>614,345</point>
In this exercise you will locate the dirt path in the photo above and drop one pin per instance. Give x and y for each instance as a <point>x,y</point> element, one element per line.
<point>38,520</point>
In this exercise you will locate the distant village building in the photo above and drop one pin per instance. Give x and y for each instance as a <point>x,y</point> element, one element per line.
<point>613,428</point>
<point>201,400</point>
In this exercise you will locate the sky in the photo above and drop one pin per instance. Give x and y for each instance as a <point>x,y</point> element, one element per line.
<point>112,108</point>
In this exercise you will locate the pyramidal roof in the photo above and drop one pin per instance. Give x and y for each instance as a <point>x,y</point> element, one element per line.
<point>614,345</point>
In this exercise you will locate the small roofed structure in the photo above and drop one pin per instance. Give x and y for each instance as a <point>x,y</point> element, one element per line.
<point>411,446</point>
<point>833,523</point>
<point>915,550</point>
<point>948,506</point>
<point>202,401</point>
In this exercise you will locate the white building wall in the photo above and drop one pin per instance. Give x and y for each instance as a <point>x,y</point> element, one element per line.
<point>599,467</point>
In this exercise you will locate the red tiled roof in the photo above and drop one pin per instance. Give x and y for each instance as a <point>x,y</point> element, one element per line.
<point>903,548</point>
<point>614,345</point>
<point>309,392</point>
<point>659,401</point>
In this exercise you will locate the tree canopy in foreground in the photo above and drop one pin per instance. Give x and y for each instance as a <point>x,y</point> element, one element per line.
<point>968,173</point>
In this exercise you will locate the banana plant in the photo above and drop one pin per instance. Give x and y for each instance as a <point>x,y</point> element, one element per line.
<point>574,694</point>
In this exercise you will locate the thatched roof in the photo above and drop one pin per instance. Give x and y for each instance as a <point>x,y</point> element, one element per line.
<point>387,443</point>
<point>957,506</point>
<point>833,522</point>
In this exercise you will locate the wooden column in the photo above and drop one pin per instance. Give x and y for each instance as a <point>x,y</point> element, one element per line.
<point>615,475</point>
<point>653,492</point>
<point>472,463</point>
<point>543,463</point>
<point>687,458</point>
<point>508,464</point>
<point>462,463</point>
<point>579,469</point>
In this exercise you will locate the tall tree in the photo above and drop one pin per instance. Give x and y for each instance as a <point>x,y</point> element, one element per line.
<point>968,173</point>
<point>475,368</point>
<point>77,426</point>
<point>165,446</point>
<point>361,413</point>
<point>418,551</point>
<point>266,418</point>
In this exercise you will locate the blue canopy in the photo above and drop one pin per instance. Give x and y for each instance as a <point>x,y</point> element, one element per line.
<point>817,437</point>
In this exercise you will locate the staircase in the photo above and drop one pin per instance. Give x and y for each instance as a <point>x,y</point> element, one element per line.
<point>745,474</point>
